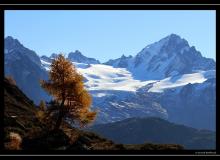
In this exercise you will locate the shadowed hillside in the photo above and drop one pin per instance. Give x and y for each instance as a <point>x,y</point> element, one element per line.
<point>156,130</point>
<point>21,120</point>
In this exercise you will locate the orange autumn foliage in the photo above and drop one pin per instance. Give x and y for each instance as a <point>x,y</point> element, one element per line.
<point>65,84</point>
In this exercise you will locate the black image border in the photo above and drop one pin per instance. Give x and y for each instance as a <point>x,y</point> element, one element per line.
<point>4,7</point>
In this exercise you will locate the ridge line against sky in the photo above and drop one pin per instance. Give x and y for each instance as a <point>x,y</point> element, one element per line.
<point>107,35</point>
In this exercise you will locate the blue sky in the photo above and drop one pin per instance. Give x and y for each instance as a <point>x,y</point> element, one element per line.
<point>107,35</point>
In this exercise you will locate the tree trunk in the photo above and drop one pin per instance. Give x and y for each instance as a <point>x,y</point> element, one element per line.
<point>60,116</point>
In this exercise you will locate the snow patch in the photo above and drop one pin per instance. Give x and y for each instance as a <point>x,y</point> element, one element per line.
<point>45,65</point>
<point>177,81</point>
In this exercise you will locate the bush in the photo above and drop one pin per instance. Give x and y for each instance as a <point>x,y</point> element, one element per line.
<point>14,143</point>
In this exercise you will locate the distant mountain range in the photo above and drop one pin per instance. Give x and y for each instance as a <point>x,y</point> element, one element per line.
<point>155,130</point>
<point>167,79</point>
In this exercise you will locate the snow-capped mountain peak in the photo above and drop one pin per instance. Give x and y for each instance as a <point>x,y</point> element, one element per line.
<point>169,56</point>
<point>14,50</point>
<point>172,44</point>
<point>11,43</point>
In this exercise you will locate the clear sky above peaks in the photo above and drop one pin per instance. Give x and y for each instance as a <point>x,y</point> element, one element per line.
<point>107,35</point>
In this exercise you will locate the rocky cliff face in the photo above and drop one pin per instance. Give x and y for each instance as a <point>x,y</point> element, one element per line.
<point>79,58</point>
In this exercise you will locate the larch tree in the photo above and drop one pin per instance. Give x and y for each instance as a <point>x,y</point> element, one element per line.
<point>42,106</point>
<point>40,114</point>
<point>65,84</point>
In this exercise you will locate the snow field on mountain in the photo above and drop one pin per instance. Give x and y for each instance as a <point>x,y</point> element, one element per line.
<point>104,77</point>
<point>177,81</point>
